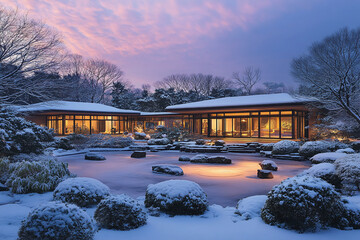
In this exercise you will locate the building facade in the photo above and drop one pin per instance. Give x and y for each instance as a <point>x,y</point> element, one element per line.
<point>272,116</point>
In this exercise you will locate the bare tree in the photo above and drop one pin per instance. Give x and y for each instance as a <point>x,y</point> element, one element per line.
<point>26,46</point>
<point>331,69</point>
<point>248,78</point>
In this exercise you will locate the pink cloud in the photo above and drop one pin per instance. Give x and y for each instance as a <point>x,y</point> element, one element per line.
<point>101,27</point>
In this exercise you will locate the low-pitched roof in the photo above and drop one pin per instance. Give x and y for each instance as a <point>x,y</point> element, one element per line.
<point>73,107</point>
<point>242,101</point>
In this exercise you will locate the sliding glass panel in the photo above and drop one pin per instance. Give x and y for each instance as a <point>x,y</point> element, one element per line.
<point>236,130</point>
<point>286,127</point>
<point>255,127</point>
<point>197,126</point>
<point>115,127</point>
<point>219,127</point>
<point>69,126</point>
<point>245,127</point>
<point>213,127</point>
<point>94,126</point>
<point>264,127</point>
<point>274,127</point>
<point>204,127</point>
<point>228,127</point>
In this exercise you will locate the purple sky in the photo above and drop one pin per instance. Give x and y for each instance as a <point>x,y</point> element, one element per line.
<point>151,39</point>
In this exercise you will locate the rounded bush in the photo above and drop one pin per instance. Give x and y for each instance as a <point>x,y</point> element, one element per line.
<point>120,212</point>
<point>303,203</point>
<point>26,141</point>
<point>177,197</point>
<point>57,221</point>
<point>81,191</point>
<point>348,170</point>
<point>327,157</point>
<point>312,148</point>
<point>325,171</point>
<point>285,147</point>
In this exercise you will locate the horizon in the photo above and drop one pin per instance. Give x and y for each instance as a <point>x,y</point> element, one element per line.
<point>153,39</point>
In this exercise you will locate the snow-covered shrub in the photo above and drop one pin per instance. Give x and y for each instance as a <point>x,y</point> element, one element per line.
<point>351,214</point>
<point>328,157</point>
<point>160,141</point>
<point>4,169</point>
<point>348,170</point>
<point>303,203</point>
<point>4,146</point>
<point>140,135</point>
<point>120,212</point>
<point>114,142</point>
<point>81,191</point>
<point>219,143</point>
<point>25,141</point>
<point>285,147</point>
<point>177,197</point>
<point>57,221</point>
<point>36,176</point>
<point>325,171</point>
<point>345,150</point>
<point>312,148</point>
<point>200,141</point>
<point>63,143</point>
<point>250,207</point>
<point>355,145</point>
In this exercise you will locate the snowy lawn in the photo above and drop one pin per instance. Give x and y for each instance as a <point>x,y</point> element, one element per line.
<point>224,184</point>
<point>217,223</point>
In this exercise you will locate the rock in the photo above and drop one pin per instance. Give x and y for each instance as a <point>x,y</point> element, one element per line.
<point>201,158</point>
<point>200,141</point>
<point>267,146</point>
<point>94,157</point>
<point>219,143</point>
<point>346,150</point>
<point>140,135</point>
<point>184,159</point>
<point>138,154</point>
<point>168,169</point>
<point>153,150</point>
<point>268,165</point>
<point>264,174</point>
<point>3,188</point>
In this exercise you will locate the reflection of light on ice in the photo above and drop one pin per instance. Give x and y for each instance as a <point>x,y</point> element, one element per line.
<point>213,171</point>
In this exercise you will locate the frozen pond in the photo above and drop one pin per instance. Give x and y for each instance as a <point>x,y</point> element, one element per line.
<point>224,184</point>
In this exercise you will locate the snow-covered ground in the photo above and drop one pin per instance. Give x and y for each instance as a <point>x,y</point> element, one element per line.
<point>224,184</point>
<point>217,223</point>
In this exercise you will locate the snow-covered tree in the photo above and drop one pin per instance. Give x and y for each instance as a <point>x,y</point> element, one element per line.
<point>330,72</point>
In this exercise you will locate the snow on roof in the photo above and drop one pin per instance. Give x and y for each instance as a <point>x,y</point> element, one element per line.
<point>157,113</point>
<point>72,107</point>
<point>242,101</point>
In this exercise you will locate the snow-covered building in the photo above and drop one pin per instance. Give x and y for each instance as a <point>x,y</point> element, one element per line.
<point>256,116</point>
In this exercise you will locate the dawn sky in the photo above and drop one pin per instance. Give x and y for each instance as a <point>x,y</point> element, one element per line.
<point>151,39</point>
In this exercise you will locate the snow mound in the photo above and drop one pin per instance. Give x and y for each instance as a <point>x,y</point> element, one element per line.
<point>120,212</point>
<point>57,221</point>
<point>348,170</point>
<point>345,150</point>
<point>303,203</point>
<point>328,157</point>
<point>285,147</point>
<point>177,197</point>
<point>168,169</point>
<point>81,191</point>
<point>250,207</point>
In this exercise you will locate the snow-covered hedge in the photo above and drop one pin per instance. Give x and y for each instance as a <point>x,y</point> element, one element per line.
<point>160,141</point>
<point>305,204</point>
<point>348,170</point>
<point>120,212</point>
<point>177,197</point>
<point>81,191</point>
<point>99,140</point>
<point>325,171</point>
<point>312,148</point>
<point>250,207</point>
<point>57,221</point>
<point>285,147</point>
<point>328,157</point>
<point>36,176</point>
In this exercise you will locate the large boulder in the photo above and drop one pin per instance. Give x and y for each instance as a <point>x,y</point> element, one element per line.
<point>305,204</point>
<point>328,157</point>
<point>168,169</point>
<point>81,191</point>
<point>120,212</point>
<point>268,165</point>
<point>94,156</point>
<point>57,221</point>
<point>250,207</point>
<point>348,170</point>
<point>285,147</point>
<point>219,143</point>
<point>264,174</point>
<point>177,197</point>
<point>184,159</point>
<point>138,154</point>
